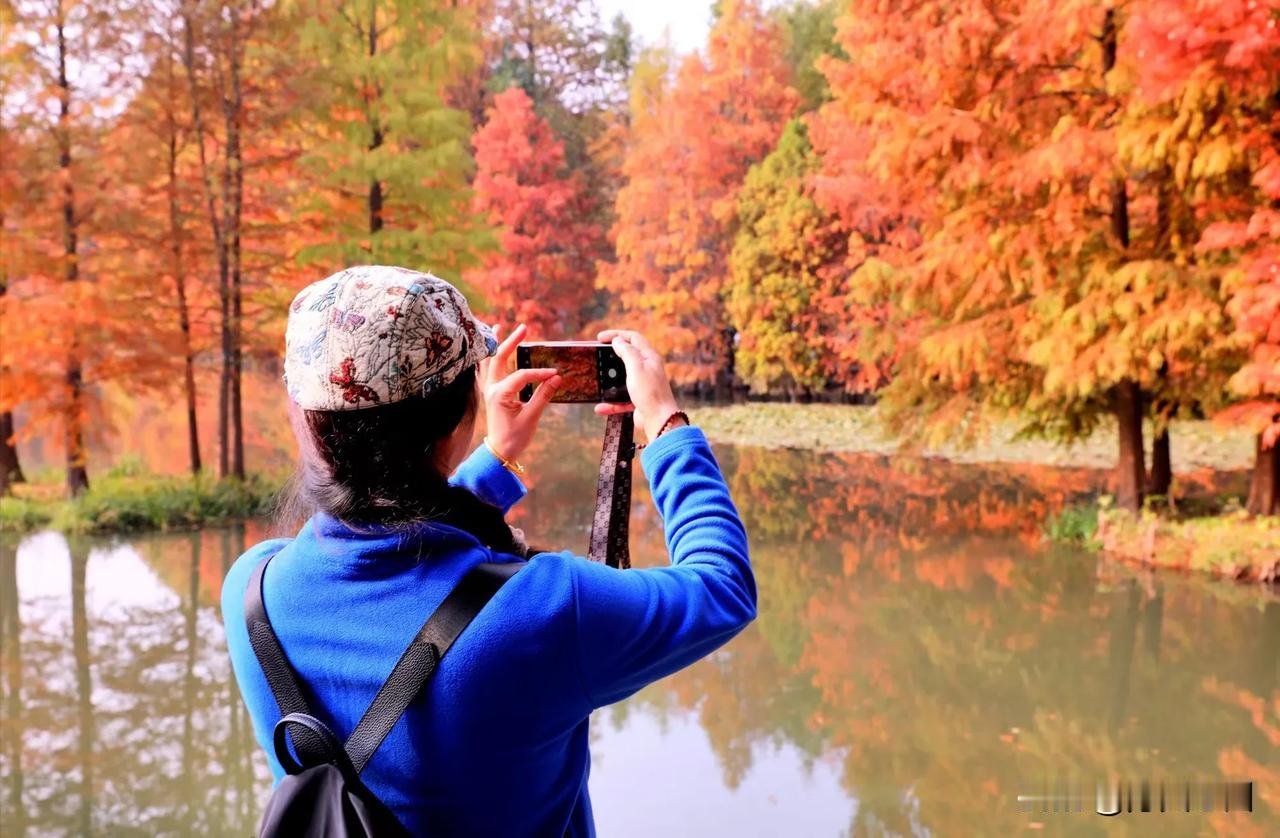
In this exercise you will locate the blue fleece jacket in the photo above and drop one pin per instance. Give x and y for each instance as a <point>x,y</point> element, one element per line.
<point>497,742</point>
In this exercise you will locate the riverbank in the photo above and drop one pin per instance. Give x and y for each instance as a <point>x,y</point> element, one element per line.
<point>857,429</point>
<point>136,502</point>
<point>1229,546</point>
<point>1208,533</point>
<point>1216,538</point>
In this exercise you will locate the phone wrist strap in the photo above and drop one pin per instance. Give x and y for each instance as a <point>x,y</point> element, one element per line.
<point>610,523</point>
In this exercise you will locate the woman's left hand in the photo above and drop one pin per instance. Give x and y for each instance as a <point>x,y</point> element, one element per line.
<point>510,423</point>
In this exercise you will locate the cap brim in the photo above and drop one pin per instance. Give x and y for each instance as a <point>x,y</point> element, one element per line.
<point>490,339</point>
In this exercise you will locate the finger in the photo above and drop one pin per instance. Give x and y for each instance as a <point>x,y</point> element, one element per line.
<point>520,379</point>
<point>503,354</point>
<point>627,352</point>
<point>541,397</point>
<point>613,408</point>
<point>632,337</point>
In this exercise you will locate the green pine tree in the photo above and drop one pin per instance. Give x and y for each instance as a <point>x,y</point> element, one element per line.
<point>390,160</point>
<point>784,261</point>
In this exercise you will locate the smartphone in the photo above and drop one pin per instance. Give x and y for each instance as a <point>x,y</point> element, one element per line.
<point>589,371</point>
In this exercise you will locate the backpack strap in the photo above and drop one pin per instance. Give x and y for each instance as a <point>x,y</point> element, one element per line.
<point>281,678</point>
<point>419,661</point>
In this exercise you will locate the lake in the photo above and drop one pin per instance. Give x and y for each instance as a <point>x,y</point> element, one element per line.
<point>921,658</point>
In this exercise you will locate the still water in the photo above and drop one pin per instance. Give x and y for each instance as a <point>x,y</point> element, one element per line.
<point>920,659</point>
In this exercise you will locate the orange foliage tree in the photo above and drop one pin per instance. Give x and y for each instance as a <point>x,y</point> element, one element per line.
<point>690,146</point>
<point>543,274</point>
<point>62,69</point>
<point>1215,67</point>
<point>1044,279</point>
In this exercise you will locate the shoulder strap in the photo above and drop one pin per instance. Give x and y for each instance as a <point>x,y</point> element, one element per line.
<point>414,668</point>
<point>418,663</point>
<point>281,678</point>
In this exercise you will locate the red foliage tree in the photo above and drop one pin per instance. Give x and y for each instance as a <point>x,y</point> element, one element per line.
<point>543,275</point>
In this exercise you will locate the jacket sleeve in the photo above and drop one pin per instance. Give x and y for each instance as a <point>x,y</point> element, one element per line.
<point>636,626</point>
<point>489,480</point>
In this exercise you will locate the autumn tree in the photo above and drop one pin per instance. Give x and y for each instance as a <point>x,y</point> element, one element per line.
<point>575,70</point>
<point>12,252</point>
<point>809,29</point>
<point>560,54</point>
<point>684,164</point>
<point>389,158</point>
<point>1208,76</point>
<point>1043,276</point>
<point>787,260</point>
<point>69,72</point>
<point>217,39</point>
<point>543,274</point>
<point>155,227</point>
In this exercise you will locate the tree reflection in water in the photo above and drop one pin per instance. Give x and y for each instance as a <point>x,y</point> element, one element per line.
<point>118,692</point>
<point>917,645</point>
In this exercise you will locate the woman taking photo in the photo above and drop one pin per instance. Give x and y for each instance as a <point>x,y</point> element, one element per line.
<point>386,370</point>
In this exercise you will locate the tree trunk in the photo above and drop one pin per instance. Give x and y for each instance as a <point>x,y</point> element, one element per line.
<point>726,375</point>
<point>236,162</point>
<point>77,473</point>
<point>1130,473</point>
<point>224,316</point>
<point>1161,477</point>
<point>215,225</point>
<point>1264,488</point>
<point>10,468</point>
<point>376,138</point>
<point>180,279</point>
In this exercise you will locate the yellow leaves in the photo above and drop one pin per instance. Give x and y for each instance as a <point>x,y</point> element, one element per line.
<point>1217,159</point>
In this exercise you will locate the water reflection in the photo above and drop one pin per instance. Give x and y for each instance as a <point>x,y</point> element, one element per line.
<point>120,712</point>
<point>920,659</point>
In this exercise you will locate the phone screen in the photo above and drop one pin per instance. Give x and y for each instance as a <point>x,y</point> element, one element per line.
<point>589,371</point>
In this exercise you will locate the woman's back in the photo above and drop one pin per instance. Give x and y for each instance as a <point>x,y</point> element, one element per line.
<point>497,744</point>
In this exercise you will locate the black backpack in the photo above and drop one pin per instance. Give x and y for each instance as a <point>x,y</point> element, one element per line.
<point>322,796</point>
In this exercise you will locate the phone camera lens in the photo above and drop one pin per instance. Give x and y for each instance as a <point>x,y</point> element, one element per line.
<point>613,373</point>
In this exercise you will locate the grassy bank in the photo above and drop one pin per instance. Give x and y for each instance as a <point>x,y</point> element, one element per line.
<point>1222,542</point>
<point>133,502</point>
<point>858,429</point>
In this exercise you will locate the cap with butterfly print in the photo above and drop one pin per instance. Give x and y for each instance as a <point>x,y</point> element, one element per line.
<point>373,335</point>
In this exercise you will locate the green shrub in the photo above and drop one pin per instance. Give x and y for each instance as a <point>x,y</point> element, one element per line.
<point>1074,525</point>
<point>124,500</point>
<point>23,514</point>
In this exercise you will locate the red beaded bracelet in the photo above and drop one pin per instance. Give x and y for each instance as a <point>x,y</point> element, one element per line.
<point>666,426</point>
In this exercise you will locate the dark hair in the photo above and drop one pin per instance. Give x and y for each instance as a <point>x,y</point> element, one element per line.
<point>375,466</point>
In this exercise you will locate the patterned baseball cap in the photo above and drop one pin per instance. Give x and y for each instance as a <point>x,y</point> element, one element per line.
<point>373,335</point>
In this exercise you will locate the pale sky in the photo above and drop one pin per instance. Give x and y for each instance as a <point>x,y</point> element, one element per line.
<point>687,20</point>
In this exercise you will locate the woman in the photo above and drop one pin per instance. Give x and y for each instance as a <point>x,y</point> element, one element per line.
<point>383,368</point>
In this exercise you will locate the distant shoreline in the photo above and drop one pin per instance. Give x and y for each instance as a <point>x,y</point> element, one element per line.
<point>856,429</point>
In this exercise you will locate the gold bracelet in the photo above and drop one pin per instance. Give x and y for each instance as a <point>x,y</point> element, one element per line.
<point>510,465</point>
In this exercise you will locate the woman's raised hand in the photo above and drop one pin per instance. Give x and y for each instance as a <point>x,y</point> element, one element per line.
<point>509,422</point>
<point>647,383</point>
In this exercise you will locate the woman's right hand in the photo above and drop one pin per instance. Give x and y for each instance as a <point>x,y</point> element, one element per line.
<point>647,383</point>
